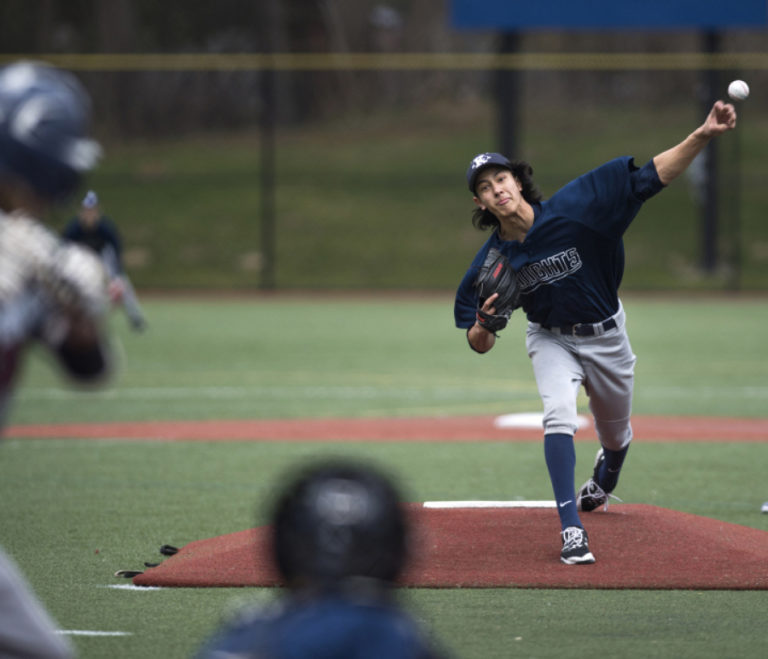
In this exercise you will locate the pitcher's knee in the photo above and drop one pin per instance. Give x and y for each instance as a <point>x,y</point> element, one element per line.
<point>614,435</point>
<point>561,421</point>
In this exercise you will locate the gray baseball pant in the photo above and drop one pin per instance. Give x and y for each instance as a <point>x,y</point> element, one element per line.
<point>603,364</point>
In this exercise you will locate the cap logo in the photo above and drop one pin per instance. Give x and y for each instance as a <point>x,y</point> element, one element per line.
<point>82,154</point>
<point>342,502</point>
<point>91,199</point>
<point>480,160</point>
<point>30,114</point>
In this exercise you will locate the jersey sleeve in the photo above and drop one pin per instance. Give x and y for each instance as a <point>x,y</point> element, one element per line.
<point>645,180</point>
<point>111,234</point>
<point>465,305</point>
<point>610,196</point>
<point>71,230</point>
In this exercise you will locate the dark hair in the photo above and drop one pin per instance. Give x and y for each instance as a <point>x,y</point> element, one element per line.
<point>523,172</point>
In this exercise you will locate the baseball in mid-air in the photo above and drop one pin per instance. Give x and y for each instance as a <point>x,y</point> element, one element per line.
<point>738,90</point>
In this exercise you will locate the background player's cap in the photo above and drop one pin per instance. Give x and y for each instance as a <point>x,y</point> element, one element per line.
<point>90,200</point>
<point>482,161</point>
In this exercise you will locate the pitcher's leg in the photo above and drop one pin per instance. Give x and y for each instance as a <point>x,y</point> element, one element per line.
<point>609,367</point>
<point>559,375</point>
<point>558,378</point>
<point>560,457</point>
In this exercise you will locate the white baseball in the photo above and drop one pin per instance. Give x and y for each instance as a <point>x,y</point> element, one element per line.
<point>738,90</point>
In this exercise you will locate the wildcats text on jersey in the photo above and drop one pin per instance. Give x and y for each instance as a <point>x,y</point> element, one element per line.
<point>550,269</point>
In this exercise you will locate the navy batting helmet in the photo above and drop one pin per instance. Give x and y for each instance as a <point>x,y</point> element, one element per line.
<point>44,119</point>
<point>336,521</point>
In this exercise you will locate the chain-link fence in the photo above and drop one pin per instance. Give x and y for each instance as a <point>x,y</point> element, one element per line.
<point>368,153</point>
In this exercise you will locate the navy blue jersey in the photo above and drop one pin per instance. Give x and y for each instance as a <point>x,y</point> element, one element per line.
<point>329,627</point>
<point>102,234</point>
<point>571,262</point>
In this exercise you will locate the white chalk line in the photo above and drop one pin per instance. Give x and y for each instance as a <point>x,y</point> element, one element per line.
<point>359,392</point>
<point>333,392</point>
<point>129,586</point>
<point>89,632</point>
<point>488,504</point>
<point>94,632</point>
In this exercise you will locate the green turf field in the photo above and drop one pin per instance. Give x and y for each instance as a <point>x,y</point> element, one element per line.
<point>75,511</point>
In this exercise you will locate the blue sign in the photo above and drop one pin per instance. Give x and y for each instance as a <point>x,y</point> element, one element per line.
<point>607,14</point>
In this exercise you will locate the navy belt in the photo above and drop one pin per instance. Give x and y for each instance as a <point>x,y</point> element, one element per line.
<point>584,329</point>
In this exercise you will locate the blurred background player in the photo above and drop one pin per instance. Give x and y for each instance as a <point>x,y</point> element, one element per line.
<point>90,227</point>
<point>340,541</point>
<point>50,292</point>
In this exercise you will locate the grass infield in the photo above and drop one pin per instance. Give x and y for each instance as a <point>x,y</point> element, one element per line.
<point>76,511</point>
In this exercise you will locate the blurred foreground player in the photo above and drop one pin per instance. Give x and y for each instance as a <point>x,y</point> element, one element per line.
<point>567,254</point>
<point>50,293</point>
<point>340,542</point>
<point>26,629</point>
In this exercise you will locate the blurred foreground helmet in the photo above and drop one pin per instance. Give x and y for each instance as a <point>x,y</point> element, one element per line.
<point>337,521</point>
<point>44,120</point>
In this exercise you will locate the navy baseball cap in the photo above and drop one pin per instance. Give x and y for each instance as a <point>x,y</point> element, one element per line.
<point>482,161</point>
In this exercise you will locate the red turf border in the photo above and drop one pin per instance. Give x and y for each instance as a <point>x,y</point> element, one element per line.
<point>425,429</point>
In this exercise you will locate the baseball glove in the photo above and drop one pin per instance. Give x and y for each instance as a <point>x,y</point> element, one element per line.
<point>497,276</point>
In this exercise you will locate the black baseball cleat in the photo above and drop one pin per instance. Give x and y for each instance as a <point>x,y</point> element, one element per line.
<point>575,547</point>
<point>591,495</point>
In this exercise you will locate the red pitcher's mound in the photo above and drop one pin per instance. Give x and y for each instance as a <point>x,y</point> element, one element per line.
<point>636,546</point>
